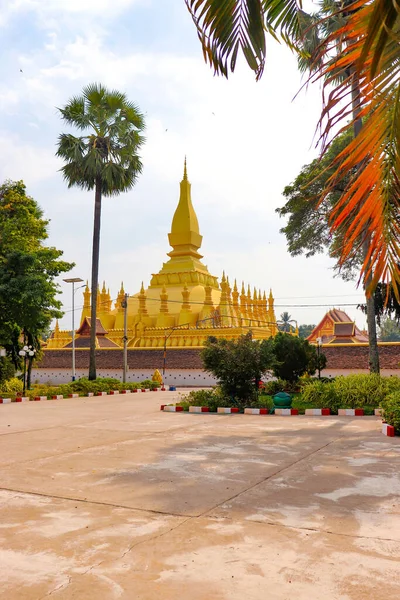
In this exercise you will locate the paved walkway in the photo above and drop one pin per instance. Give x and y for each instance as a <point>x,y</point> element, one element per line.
<point>108,498</point>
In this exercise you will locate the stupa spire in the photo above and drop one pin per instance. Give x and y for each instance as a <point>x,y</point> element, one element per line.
<point>185,237</point>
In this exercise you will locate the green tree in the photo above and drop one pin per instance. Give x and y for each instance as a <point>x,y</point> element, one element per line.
<point>305,330</point>
<point>238,364</point>
<point>285,322</point>
<point>106,160</point>
<point>389,330</point>
<point>308,229</point>
<point>28,269</point>
<point>294,356</point>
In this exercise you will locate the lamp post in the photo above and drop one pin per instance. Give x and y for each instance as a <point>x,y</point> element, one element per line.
<point>73,280</point>
<point>319,344</point>
<point>25,352</point>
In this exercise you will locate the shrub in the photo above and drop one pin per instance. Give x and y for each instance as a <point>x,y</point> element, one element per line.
<point>321,395</point>
<point>238,365</point>
<point>12,386</point>
<point>356,391</point>
<point>294,357</point>
<point>391,410</point>
<point>274,386</point>
<point>211,398</point>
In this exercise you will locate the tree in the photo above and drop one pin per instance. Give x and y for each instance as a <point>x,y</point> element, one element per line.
<point>105,160</point>
<point>28,270</point>
<point>307,231</point>
<point>368,38</point>
<point>305,330</point>
<point>294,356</point>
<point>285,318</point>
<point>238,364</point>
<point>389,330</point>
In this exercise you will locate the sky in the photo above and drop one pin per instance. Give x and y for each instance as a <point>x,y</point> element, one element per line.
<point>244,141</point>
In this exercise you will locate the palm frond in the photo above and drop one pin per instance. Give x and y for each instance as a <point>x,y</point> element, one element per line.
<point>370,203</point>
<point>226,26</point>
<point>284,18</point>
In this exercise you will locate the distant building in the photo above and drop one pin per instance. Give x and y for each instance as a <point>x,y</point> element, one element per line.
<point>336,327</point>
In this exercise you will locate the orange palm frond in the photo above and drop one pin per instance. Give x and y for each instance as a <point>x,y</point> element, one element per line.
<point>371,92</point>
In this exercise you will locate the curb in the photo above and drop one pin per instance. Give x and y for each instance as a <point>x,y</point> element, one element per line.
<point>198,409</point>
<point>101,393</point>
<point>350,412</point>
<point>73,395</point>
<point>113,392</point>
<point>38,398</point>
<point>227,411</point>
<point>125,391</point>
<point>387,430</point>
<point>171,408</point>
<point>286,412</point>
<point>318,412</point>
<point>5,400</point>
<point>22,399</point>
<point>256,411</point>
<point>58,397</point>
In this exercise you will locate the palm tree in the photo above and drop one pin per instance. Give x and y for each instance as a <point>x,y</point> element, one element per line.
<point>106,160</point>
<point>285,320</point>
<point>370,57</point>
<point>316,33</point>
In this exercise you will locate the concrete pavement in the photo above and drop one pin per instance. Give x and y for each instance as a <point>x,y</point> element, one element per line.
<point>108,498</point>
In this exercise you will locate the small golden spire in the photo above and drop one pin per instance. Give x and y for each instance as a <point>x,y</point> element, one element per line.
<point>223,279</point>
<point>184,170</point>
<point>243,292</point>
<point>235,286</point>
<point>142,289</point>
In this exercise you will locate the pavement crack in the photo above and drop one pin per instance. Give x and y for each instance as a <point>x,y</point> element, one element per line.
<point>62,586</point>
<point>268,477</point>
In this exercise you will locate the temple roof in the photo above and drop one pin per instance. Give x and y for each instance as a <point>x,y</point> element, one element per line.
<point>85,327</point>
<point>336,327</point>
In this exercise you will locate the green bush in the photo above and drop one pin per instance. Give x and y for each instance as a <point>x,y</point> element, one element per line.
<point>12,386</point>
<point>356,391</point>
<point>274,386</point>
<point>211,398</point>
<point>321,395</point>
<point>391,410</point>
<point>216,397</point>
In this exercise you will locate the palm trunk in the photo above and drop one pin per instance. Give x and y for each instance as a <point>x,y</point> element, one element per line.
<point>369,298</point>
<point>95,279</point>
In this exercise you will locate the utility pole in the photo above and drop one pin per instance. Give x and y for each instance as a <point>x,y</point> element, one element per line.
<point>125,307</point>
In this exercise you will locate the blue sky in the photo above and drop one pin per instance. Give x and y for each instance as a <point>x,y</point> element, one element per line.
<point>244,141</point>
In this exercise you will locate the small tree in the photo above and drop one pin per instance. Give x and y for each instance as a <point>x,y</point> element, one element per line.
<point>294,356</point>
<point>238,364</point>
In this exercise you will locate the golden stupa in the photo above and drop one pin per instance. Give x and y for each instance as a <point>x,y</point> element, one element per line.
<point>184,303</point>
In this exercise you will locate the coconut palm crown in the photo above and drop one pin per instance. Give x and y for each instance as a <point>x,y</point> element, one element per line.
<point>105,159</point>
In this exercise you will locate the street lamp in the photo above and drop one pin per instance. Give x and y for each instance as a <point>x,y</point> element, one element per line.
<point>73,280</point>
<point>25,352</point>
<point>319,344</point>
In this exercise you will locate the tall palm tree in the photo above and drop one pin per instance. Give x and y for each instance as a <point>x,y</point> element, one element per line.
<point>285,319</point>
<point>105,159</point>
<point>371,51</point>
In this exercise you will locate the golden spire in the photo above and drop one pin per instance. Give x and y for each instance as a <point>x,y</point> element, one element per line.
<point>164,300</point>
<point>185,237</point>
<point>104,291</point>
<point>185,298</point>
<point>142,301</point>
<point>57,327</point>
<point>235,295</point>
